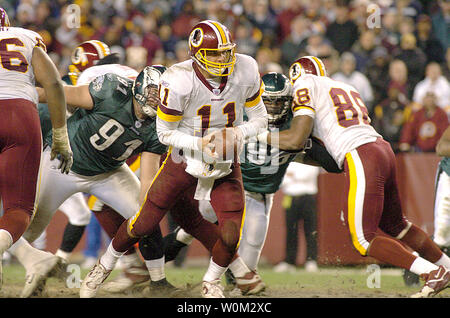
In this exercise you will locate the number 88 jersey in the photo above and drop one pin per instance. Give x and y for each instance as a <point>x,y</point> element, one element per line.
<point>341,119</point>
<point>16,72</point>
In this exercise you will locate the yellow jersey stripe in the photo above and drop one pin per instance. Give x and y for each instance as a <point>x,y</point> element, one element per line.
<point>136,164</point>
<point>351,204</point>
<point>297,107</point>
<point>167,117</point>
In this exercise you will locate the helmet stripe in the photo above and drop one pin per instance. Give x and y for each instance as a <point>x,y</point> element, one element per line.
<point>220,32</point>
<point>319,66</point>
<point>100,48</point>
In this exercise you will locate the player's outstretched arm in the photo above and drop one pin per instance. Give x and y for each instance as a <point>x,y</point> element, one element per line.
<point>292,139</point>
<point>443,145</point>
<point>47,75</point>
<point>76,96</point>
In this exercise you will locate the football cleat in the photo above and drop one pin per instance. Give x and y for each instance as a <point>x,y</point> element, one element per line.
<point>129,279</point>
<point>93,280</point>
<point>161,289</point>
<point>36,278</point>
<point>212,289</point>
<point>250,284</point>
<point>435,282</point>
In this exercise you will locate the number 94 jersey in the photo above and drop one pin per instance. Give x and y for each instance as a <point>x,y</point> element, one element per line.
<point>16,72</point>
<point>341,119</point>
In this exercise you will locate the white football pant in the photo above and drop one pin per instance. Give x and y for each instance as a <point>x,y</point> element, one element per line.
<point>442,210</point>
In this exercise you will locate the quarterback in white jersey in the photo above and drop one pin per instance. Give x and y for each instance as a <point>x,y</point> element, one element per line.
<point>334,112</point>
<point>208,92</point>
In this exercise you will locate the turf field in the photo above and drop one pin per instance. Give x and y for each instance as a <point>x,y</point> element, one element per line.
<point>328,282</point>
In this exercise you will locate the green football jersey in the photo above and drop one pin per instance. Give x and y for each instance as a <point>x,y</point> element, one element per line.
<point>263,167</point>
<point>445,165</point>
<point>103,138</point>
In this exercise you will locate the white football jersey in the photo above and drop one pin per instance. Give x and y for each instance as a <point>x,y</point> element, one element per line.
<point>16,74</point>
<point>201,105</point>
<point>341,119</point>
<point>92,72</point>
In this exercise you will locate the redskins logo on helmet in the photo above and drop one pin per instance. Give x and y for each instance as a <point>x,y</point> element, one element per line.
<point>86,55</point>
<point>306,65</point>
<point>4,20</point>
<point>210,38</point>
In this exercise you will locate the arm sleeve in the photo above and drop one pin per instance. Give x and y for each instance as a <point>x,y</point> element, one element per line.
<point>168,134</point>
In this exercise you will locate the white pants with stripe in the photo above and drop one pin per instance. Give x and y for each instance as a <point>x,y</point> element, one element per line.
<point>442,210</point>
<point>119,189</point>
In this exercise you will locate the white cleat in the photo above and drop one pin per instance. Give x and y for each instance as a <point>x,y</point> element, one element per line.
<point>212,289</point>
<point>250,284</point>
<point>93,280</point>
<point>130,278</point>
<point>37,276</point>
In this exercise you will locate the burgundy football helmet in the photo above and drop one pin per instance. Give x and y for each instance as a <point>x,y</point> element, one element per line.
<point>4,20</point>
<point>306,65</point>
<point>86,55</point>
<point>212,38</point>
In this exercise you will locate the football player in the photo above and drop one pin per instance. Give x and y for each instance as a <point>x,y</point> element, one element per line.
<point>89,60</point>
<point>334,112</point>
<point>263,169</point>
<point>206,93</point>
<point>115,119</point>
<point>442,197</point>
<point>24,60</point>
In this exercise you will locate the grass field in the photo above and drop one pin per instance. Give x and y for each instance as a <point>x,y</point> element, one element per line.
<point>328,282</point>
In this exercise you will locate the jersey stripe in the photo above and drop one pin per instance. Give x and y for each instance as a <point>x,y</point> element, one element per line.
<point>255,99</point>
<point>167,114</point>
<point>356,201</point>
<point>297,107</point>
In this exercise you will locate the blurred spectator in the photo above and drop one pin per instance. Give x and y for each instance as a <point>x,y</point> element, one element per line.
<point>425,127</point>
<point>363,49</point>
<point>168,40</point>
<point>398,78</point>
<point>263,19</point>
<point>408,8</point>
<point>284,19</point>
<point>293,43</point>
<point>426,40</point>
<point>377,70</point>
<point>413,57</point>
<point>329,57</point>
<point>348,74</point>
<point>446,65</point>
<point>390,115</point>
<point>185,21</point>
<point>436,83</point>
<point>441,23</point>
<point>246,43</point>
<point>313,45</point>
<point>389,35</point>
<point>300,190</point>
<point>265,59</point>
<point>142,35</point>
<point>343,32</point>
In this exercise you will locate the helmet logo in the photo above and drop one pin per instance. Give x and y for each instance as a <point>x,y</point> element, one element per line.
<point>295,71</point>
<point>196,37</point>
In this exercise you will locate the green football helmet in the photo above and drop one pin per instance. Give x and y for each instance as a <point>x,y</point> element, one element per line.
<point>277,97</point>
<point>145,88</point>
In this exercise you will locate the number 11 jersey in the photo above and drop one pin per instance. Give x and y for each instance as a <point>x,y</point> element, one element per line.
<point>341,119</point>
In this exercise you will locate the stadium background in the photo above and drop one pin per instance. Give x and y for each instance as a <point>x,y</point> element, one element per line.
<point>275,32</point>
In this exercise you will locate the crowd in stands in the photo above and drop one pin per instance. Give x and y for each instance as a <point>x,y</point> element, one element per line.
<point>394,52</point>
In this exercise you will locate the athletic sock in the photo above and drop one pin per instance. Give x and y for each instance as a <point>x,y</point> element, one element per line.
<point>214,272</point>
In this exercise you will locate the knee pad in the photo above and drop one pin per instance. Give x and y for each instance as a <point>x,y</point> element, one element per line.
<point>229,233</point>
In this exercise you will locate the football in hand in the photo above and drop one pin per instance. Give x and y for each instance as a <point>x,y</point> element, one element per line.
<point>225,144</point>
